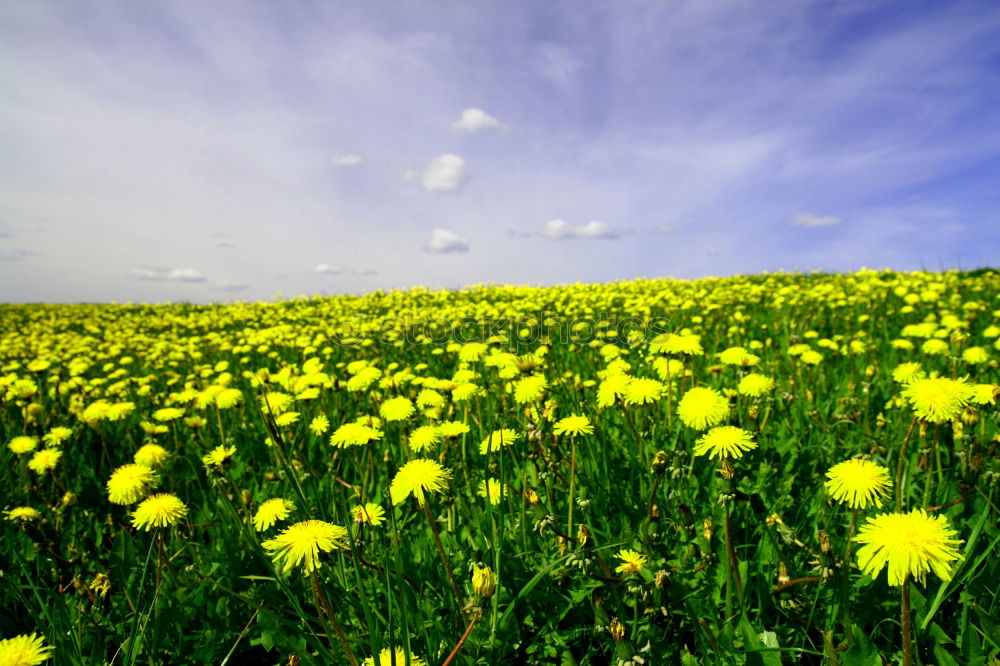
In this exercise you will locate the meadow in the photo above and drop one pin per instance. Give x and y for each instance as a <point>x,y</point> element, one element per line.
<point>780,468</point>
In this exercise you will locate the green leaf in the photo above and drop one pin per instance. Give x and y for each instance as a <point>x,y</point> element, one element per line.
<point>758,654</point>
<point>862,653</point>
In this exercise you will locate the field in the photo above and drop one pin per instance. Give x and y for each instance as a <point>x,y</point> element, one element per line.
<point>647,472</point>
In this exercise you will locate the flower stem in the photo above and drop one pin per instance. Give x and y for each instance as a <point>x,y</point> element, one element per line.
<point>444,558</point>
<point>572,478</point>
<point>323,607</point>
<point>845,581</point>
<point>899,466</point>
<point>905,618</point>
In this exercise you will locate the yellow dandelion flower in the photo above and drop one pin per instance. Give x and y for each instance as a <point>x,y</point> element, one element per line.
<point>643,391</point>
<point>724,442</point>
<point>22,444</point>
<point>120,410</point>
<point>632,562</point>
<point>452,428</point>
<point>672,343</point>
<point>130,483</point>
<point>397,409</point>
<point>57,435</point>
<point>354,434</point>
<point>160,510</point>
<point>44,460</point>
<point>271,511</point>
<point>811,357</point>
<point>985,394</point>
<point>910,543</point>
<point>939,399</point>
<point>23,514</point>
<point>497,439</point>
<point>303,542</point>
<point>416,477</point>
<point>906,373</point>
<point>530,389</point>
<point>24,650</point>
<point>612,388</point>
<point>858,483</point>
<point>319,425</point>
<point>975,355</point>
<point>573,425</point>
<point>755,385</point>
<point>286,419</point>
<point>368,514</point>
<point>229,397</point>
<point>151,455</point>
<point>738,356</point>
<point>275,402</point>
<point>386,656</point>
<point>465,391</point>
<point>934,347</point>
<point>424,437</point>
<point>167,414</point>
<point>218,456</point>
<point>701,408</point>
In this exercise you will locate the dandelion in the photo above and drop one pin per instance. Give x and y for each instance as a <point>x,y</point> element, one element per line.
<point>811,357</point>
<point>452,429</point>
<point>386,656</point>
<point>484,581</point>
<point>368,514</point>
<point>271,511</point>
<point>303,542</point>
<point>319,425</point>
<point>755,385</point>
<point>612,388</point>
<point>497,439</point>
<point>397,409</point>
<point>57,435</point>
<point>643,391</point>
<point>229,397</point>
<point>985,394</point>
<point>22,444</point>
<point>151,455</point>
<point>354,434</point>
<point>217,456</point>
<point>702,408</point>
<point>910,543</point>
<point>724,442</point>
<point>632,562</point>
<point>23,514</point>
<point>416,477</point>
<point>465,391</point>
<point>573,425</point>
<point>529,389</point>
<point>939,399</point>
<point>160,510</point>
<point>44,460</point>
<point>907,373</point>
<point>424,437</point>
<point>858,483</point>
<point>975,355</point>
<point>130,483</point>
<point>671,343</point>
<point>738,356</point>
<point>24,650</point>
<point>286,419</point>
<point>167,414</point>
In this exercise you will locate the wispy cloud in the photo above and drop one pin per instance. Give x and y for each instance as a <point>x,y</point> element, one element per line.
<point>162,273</point>
<point>16,254</point>
<point>347,160</point>
<point>562,230</point>
<point>801,219</point>
<point>326,269</point>
<point>444,241</point>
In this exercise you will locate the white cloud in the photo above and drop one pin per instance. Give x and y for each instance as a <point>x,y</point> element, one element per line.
<point>159,273</point>
<point>444,173</point>
<point>444,241</point>
<point>476,120</point>
<point>561,230</point>
<point>347,160</point>
<point>327,269</point>
<point>364,271</point>
<point>810,220</point>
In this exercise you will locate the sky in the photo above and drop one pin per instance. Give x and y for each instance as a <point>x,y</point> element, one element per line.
<point>221,151</point>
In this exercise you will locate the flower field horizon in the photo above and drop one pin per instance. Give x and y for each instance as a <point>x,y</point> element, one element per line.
<point>767,469</point>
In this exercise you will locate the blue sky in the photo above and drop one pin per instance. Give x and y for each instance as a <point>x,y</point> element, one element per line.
<point>198,151</point>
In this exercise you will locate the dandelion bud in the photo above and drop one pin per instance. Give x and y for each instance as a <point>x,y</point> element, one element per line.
<point>69,499</point>
<point>706,529</point>
<point>774,518</point>
<point>294,660</point>
<point>824,541</point>
<point>660,462</point>
<point>532,497</point>
<point>617,629</point>
<point>562,546</point>
<point>783,574</point>
<point>582,534</point>
<point>880,420</point>
<point>970,416</point>
<point>660,579</point>
<point>484,581</point>
<point>245,497</point>
<point>753,411</point>
<point>923,428</point>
